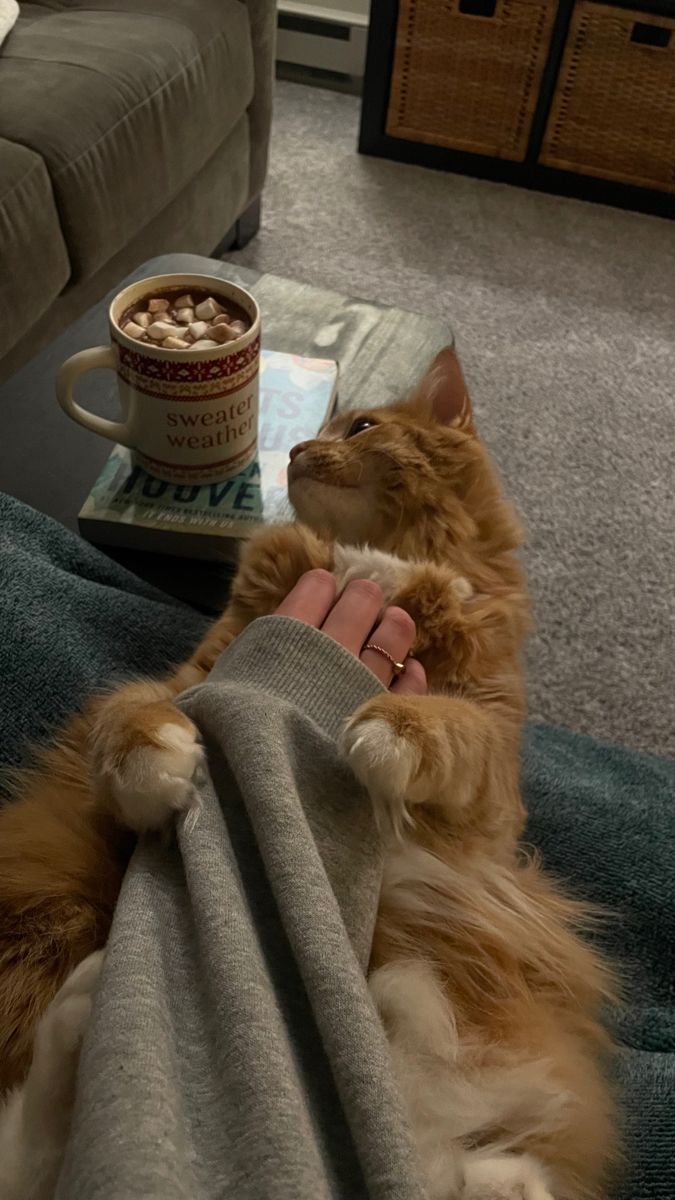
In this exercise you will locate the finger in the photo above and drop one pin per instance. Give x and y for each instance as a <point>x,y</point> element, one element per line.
<point>354,615</point>
<point>395,634</point>
<point>413,681</point>
<point>311,599</point>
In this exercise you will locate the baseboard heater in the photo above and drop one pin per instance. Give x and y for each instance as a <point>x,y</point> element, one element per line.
<point>326,39</point>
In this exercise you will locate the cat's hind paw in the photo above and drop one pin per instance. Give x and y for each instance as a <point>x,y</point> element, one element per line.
<point>155,781</point>
<point>504,1177</point>
<point>59,1033</point>
<point>386,762</point>
<point>385,765</point>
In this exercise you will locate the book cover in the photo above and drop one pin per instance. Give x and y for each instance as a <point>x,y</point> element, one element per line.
<point>129,507</point>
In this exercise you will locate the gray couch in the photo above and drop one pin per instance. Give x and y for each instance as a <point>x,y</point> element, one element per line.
<point>128,128</point>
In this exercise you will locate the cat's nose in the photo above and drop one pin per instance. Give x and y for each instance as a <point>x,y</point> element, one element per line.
<point>296,450</point>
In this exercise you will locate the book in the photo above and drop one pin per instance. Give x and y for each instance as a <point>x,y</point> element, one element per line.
<point>130,508</point>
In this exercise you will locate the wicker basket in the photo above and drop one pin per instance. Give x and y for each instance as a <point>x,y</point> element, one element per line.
<point>465,80</point>
<point>613,113</point>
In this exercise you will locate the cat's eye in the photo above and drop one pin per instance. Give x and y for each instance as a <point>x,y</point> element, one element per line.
<point>359,425</point>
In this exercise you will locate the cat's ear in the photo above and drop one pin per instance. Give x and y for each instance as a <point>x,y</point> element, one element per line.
<point>443,393</point>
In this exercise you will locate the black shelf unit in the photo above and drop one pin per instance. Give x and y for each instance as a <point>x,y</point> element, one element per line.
<point>374,140</point>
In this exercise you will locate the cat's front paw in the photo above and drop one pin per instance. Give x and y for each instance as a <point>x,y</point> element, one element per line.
<point>271,564</point>
<point>363,562</point>
<point>397,575</point>
<point>387,745</point>
<point>152,778</point>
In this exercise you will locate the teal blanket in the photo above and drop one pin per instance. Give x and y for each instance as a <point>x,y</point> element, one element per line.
<point>602,817</point>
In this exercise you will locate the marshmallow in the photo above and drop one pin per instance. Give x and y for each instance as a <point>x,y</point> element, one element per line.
<point>208,309</point>
<point>197,329</point>
<point>182,325</point>
<point>221,333</point>
<point>160,330</point>
<point>133,330</point>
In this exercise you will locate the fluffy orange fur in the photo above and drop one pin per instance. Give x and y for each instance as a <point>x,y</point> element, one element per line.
<point>499,941</point>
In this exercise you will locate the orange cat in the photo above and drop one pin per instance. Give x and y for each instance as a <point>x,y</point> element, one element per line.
<point>487,993</point>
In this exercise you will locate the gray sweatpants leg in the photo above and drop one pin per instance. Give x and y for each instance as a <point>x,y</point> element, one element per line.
<point>234,1050</point>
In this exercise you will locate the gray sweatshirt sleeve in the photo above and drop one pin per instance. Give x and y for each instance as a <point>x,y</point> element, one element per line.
<point>233,1049</point>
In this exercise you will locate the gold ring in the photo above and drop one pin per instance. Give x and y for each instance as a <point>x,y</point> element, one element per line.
<point>397,667</point>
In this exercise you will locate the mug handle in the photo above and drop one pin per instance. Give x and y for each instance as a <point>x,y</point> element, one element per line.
<point>67,375</point>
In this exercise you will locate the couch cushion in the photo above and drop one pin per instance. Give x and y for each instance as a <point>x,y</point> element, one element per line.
<point>125,100</point>
<point>33,258</point>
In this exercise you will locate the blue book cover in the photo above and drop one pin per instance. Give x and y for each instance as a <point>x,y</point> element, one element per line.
<point>129,507</point>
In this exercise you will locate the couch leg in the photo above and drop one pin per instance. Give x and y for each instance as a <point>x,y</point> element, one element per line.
<point>245,228</point>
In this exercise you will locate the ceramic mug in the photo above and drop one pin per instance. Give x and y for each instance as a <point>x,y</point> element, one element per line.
<point>188,416</point>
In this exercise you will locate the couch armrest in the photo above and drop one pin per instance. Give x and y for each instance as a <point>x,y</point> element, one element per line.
<point>263,19</point>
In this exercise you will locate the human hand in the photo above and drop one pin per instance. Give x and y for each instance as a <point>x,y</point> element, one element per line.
<point>354,621</point>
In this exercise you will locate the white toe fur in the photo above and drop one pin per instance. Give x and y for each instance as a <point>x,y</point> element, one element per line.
<point>504,1177</point>
<point>462,588</point>
<point>362,562</point>
<point>34,1118</point>
<point>386,765</point>
<point>61,1029</point>
<point>84,979</point>
<point>155,782</point>
<point>423,1044</point>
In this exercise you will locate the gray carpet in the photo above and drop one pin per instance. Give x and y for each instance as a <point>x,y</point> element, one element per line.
<point>563,313</point>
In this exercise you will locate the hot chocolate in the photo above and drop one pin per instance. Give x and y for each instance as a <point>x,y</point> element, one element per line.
<point>178,320</point>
